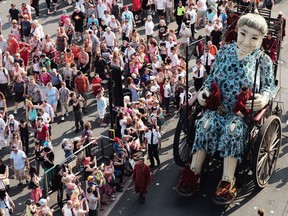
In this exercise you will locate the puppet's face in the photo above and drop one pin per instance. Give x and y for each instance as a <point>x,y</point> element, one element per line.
<point>248,39</point>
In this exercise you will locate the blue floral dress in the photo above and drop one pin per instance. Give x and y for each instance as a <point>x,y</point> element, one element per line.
<point>231,75</point>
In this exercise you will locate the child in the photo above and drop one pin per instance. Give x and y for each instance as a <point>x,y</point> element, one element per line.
<point>64,97</point>
<point>101,107</point>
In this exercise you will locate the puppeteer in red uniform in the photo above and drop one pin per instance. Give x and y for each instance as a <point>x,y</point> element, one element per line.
<point>142,178</point>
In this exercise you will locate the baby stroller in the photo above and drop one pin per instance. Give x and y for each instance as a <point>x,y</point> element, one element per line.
<point>136,9</point>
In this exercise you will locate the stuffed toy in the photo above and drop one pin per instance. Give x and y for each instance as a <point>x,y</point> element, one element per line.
<point>214,101</point>
<point>242,98</point>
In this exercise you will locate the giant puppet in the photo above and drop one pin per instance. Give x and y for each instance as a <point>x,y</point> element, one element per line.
<point>222,127</point>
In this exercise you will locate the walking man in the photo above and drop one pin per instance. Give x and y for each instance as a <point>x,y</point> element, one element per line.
<point>153,138</point>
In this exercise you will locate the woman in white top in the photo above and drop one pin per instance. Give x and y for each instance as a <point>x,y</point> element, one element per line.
<point>37,29</point>
<point>115,26</point>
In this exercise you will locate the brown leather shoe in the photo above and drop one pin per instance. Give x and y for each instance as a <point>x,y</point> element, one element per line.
<point>225,193</point>
<point>189,183</point>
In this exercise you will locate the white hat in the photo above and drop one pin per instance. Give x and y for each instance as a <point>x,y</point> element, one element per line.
<point>42,202</point>
<point>11,116</point>
<point>108,29</point>
<point>153,89</point>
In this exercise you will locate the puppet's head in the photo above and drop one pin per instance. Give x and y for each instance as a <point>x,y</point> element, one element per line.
<point>251,30</point>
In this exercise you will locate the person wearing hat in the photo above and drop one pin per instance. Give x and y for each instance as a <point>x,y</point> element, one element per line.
<point>207,59</point>
<point>31,208</point>
<point>44,208</point>
<point>141,178</point>
<point>78,18</point>
<point>110,38</point>
<point>18,161</point>
<point>198,74</point>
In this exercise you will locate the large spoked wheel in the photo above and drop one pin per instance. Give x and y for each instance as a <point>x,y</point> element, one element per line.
<point>184,137</point>
<point>266,151</point>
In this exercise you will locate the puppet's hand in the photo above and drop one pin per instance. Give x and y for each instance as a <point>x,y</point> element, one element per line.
<point>203,95</point>
<point>260,102</point>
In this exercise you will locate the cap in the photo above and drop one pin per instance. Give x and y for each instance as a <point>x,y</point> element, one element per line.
<point>148,93</point>
<point>29,201</point>
<point>153,89</point>
<point>86,161</point>
<point>42,202</point>
<point>14,147</point>
<point>11,116</point>
<point>76,139</point>
<point>108,29</point>
<point>90,178</point>
<point>116,139</point>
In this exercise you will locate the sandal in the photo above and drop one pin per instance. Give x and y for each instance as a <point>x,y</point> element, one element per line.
<point>225,193</point>
<point>189,182</point>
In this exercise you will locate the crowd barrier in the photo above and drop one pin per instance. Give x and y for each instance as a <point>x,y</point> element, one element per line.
<point>100,149</point>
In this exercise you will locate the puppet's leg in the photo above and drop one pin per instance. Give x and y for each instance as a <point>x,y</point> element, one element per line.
<point>226,190</point>
<point>197,161</point>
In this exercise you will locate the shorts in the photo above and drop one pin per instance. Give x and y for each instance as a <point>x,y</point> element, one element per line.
<point>160,12</point>
<point>84,95</point>
<point>19,97</point>
<point>201,14</point>
<point>52,102</point>
<point>19,174</point>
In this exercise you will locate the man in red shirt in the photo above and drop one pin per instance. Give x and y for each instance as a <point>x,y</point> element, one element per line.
<point>82,87</point>
<point>42,131</point>
<point>13,45</point>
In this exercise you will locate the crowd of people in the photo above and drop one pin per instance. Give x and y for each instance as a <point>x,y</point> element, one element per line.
<point>39,72</point>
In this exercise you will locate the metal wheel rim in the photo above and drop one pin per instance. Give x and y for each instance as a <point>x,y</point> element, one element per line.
<point>268,152</point>
<point>184,147</point>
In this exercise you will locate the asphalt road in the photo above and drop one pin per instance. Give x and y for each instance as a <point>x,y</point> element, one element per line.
<point>162,198</point>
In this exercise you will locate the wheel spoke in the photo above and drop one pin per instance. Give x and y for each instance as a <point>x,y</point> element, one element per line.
<point>262,161</point>
<point>274,146</point>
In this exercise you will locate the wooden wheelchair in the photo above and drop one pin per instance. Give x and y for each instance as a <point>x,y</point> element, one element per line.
<point>262,145</point>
